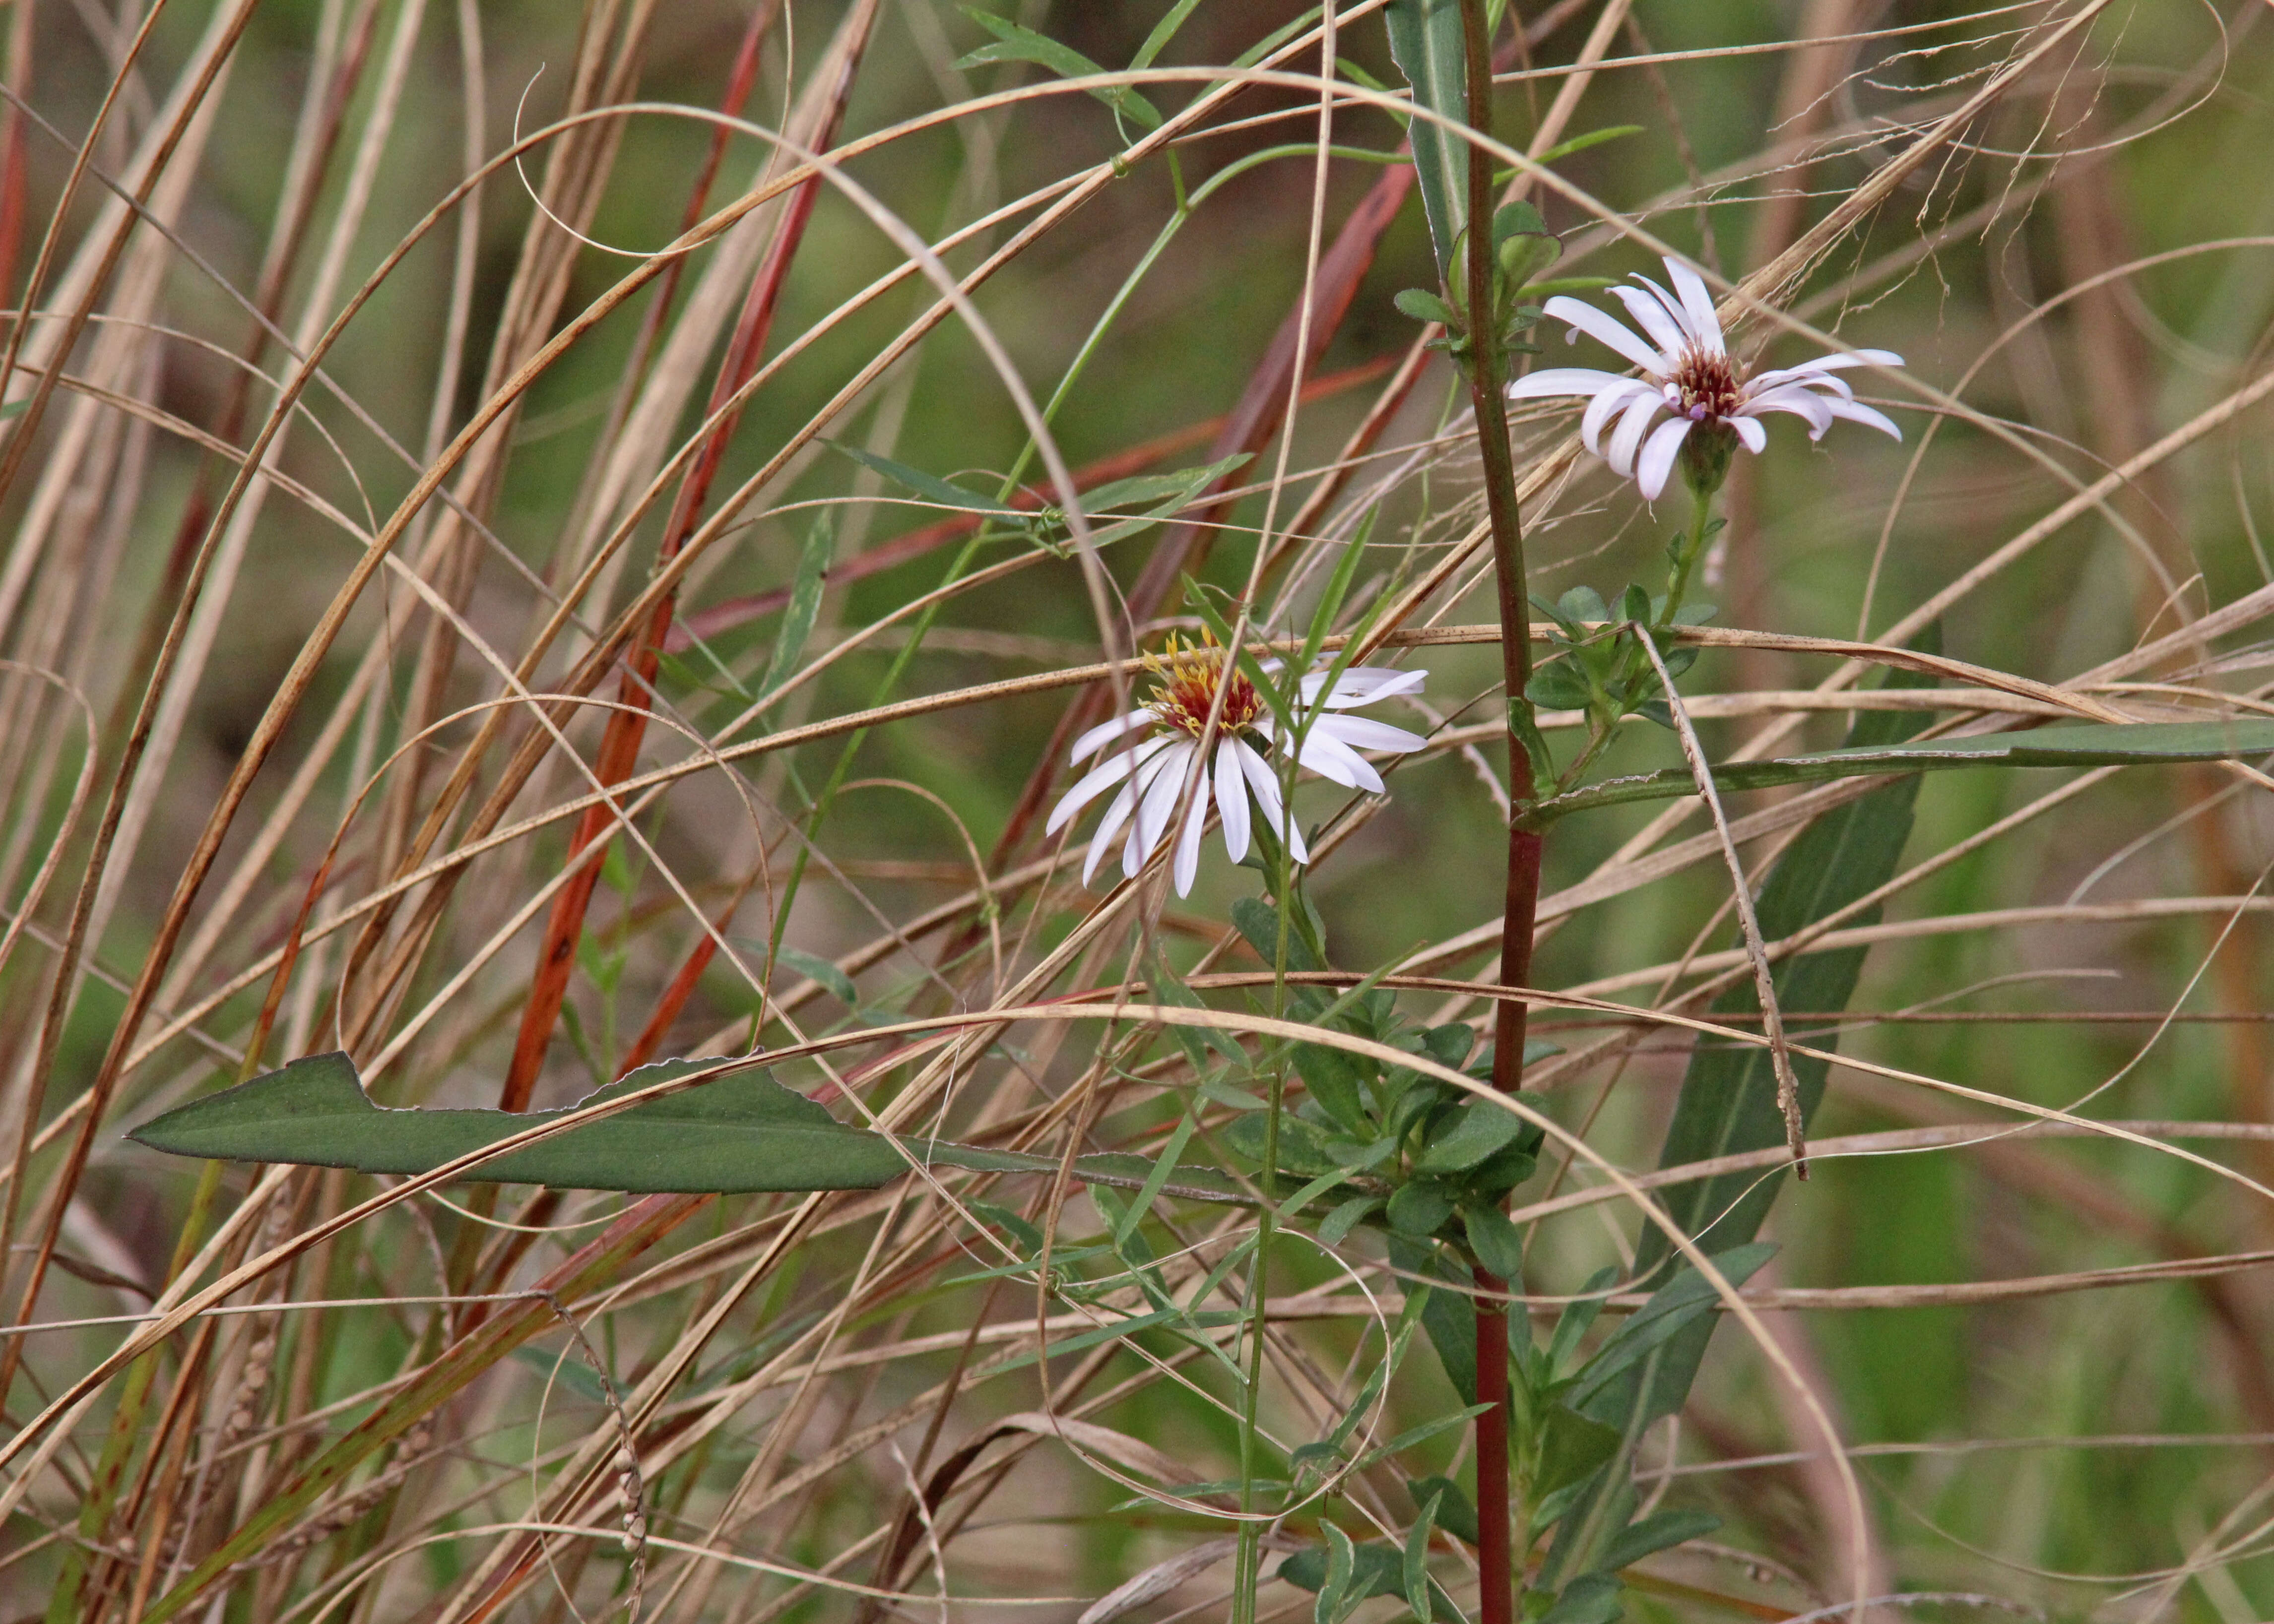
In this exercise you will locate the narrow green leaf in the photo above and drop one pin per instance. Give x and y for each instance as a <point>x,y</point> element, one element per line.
<point>1330,601</point>
<point>1577,1316</point>
<point>1416,1557</point>
<point>1171,1153</point>
<point>1375,1570</point>
<point>1454,1514</point>
<point>1163,31</point>
<point>1334,1228</point>
<point>2097,744</point>
<point>1341,1556</point>
<point>1259,922</point>
<point>1656,1533</point>
<point>1178,487</point>
<point>930,486</point>
<point>1572,1446</point>
<point>814,967</point>
<point>1016,44</point>
<point>1683,1301</point>
<point>804,602</point>
<point>1415,1436</point>
<point>739,1134</point>
<point>1425,39</point>
<point>743,1132</point>
<point>1728,1097</point>
<point>1592,1598</point>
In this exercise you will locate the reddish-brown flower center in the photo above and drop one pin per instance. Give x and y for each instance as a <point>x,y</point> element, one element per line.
<point>1187,677</point>
<point>1704,386</point>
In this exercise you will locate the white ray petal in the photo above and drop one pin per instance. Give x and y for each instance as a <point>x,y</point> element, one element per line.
<point>1554,380</point>
<point>1855,411</point>
<point>1672,307</point>
<point>1362,733</point>
<point>1187,864</point>
<point>1751,432</point>
<point>1092,742</point>
<point>1158,807</point>
<point>1231,798</point>
<point>1627,437</point>
<point>1699,303</point>
<point>1117,814</point>
<point>1587,318</point>
<point>1095,782</point>
<point>1831,382</point>
<point>1330,758</point>
<point>1799,402</point>
<point>1362,685</point>
<point>1265,784</point>
<point>1642,304</point>
<point>1658,456</point>
<point>1833,362</point>
<point>1604,406</point>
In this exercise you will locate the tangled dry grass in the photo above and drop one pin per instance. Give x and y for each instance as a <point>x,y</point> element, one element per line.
<point>541,540</point>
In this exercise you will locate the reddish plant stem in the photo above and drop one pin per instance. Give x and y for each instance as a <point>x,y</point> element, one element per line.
<point>1496,1557</point>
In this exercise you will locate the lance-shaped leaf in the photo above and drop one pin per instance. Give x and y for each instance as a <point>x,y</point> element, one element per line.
<point>2097,744</point>
<point>1424,37</point>
<point>1729,1104</point>
<point>740,1134</point>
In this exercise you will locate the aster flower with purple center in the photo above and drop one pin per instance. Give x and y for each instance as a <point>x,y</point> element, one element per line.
<point>1688,375</point>
<point>1154,772</point>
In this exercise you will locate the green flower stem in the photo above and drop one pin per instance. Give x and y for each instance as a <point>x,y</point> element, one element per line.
<point>1692,545</point>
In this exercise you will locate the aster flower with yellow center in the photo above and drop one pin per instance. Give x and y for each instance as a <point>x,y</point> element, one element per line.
<point>1689,373</point>
<point>1154,772</point>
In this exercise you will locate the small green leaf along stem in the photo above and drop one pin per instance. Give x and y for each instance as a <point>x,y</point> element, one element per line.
<point>1496,1576</point>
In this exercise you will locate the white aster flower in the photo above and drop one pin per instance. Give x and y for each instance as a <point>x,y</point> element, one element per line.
<point>1154,772</point>
<point>1687,371</point>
